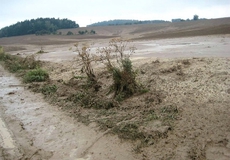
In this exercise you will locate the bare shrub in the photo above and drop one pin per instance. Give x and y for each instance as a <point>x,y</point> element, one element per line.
<point>86,59</point>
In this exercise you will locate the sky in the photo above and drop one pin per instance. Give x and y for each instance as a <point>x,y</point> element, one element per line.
<point>85,12</point>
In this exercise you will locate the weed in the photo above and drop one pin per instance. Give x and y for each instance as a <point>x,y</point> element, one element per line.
<point>169,109</point>
<point>36,75</point>
<point>128,131</point>
<point>1,50</point>
<point>104,124</point>
<point>169,114</point>
<point>86,60</point>
<point>49,89</point>
<point>152,116</point>
<point>41,51</point>
<point>120,97</point>
<point>186,62</point>
<point>83,119</point>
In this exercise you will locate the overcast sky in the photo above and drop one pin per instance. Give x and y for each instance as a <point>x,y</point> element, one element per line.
<point>85,12</point>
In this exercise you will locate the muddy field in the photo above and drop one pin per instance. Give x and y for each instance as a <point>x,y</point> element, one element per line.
<point>184,113</point>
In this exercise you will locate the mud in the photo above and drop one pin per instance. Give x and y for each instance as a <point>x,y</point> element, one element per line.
<point>41,131</point>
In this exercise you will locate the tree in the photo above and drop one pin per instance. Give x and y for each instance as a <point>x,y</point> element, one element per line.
<point>195,17</point>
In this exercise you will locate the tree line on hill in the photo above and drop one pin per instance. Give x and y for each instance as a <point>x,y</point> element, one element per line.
<point>195,18</point>
<point>125,22</point>
<point>131,22</point>
<point>39,26</point>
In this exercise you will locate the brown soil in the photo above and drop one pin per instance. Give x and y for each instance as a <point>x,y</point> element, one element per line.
<point>183,115</point>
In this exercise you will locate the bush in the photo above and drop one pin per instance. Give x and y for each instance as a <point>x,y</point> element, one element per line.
<point>69,33</point>
<point>36,75</point>
<point>49,89</point>
<point>86,32</point>
<point>92,32</point>
<point>124,78</point>
<point>81,32</point>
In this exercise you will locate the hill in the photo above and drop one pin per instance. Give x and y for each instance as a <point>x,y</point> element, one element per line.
<point>160,30</point>
<point>38,26</point>
<point>125,22</point>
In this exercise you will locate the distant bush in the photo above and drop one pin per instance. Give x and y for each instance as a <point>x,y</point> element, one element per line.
<point>92,32</point>
<point>69,33</point>
<point>81,32</point>
<point>86,32</point>
<point>36,75</point>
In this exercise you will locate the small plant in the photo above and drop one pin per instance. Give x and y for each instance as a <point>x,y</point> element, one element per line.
<point>1,50</point>
<point>36,75</point>
<point>86,59</point>
<point>49,89</point>
<point>41,51</point>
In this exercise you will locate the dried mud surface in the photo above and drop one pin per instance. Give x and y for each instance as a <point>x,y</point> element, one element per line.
<point>184,114</point>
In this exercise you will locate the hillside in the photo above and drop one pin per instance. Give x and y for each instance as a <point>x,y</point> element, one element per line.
<point>161,30</point>
<point>125,22</point>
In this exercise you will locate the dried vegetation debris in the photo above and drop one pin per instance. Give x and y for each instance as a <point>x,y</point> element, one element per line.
<point>87,105</point>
